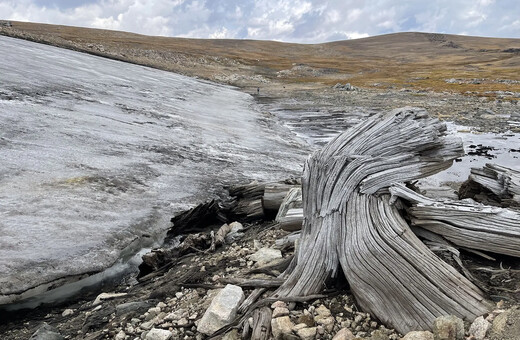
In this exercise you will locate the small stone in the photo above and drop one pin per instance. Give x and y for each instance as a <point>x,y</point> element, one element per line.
<point>158,334</point>
<point>280,311</point>
<point>281,326</point>
<point>222,309</point>
<point>373,324</point>
<point>265,255</point>
<point>152,313</point>
<point>479,328</point>
<point>182,322</point>
<point>161,305</point>
<point>418,335</point>
<point>278,304</point>
<point>147,325</point>
<point>299,326</point>
<point>67,312</point>
<point>256,244</point>
<point>307,333</point>
<point>448,327</point>
<point>120,336</point>
<point>326,321</point>
<point>358,319</point>
<point>178,295</point>
<point>322,311</point>
<point>343,334</point>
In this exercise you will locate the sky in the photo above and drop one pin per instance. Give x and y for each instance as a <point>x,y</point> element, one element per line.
<point>300,21</point>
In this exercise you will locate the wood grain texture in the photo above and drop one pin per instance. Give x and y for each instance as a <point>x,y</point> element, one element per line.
<point>465,223</point>
<point>350,225</point>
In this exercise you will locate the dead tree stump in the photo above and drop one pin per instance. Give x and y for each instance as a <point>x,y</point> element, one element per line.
<point>350,225</point>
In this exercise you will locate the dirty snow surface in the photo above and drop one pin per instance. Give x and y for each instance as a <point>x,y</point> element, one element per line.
<point>96,153</point>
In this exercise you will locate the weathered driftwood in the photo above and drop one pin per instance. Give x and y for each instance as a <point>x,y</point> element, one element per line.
<point>392,274</point>
<point>274,194</point>
<point>290,212</point>
<point>465,223</point>
<point>503,182</point>
<point>196,219</point>
<point>262,324</point>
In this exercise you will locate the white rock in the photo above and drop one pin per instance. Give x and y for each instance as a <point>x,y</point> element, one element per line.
<point>265,255</point>
<point>344,334</point>
<point>106,296</point>
<point>325,321</point>
<point>418,335</point>
<point>279,304</point>
<point>147,325</point>
<point>479,328</point>
<point>120,336</point>
<point>222,310</point>
<point>158,334</point>
<point>280,311</point>
<point>307,333</point>
<point>67,312</point>
<point>323,311</point>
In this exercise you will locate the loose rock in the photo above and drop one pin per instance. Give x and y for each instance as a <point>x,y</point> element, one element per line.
<point>448,327</point>
<point>265,255</point>
<point>418,335</point>
<point>307,333</point>
<point>222,310</point>
<point>158,334</point>
<point>479,328</point>
<point>281,326</point>
<point>343,334</point>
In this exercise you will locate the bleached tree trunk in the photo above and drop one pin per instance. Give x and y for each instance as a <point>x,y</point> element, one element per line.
<point>350,225</point>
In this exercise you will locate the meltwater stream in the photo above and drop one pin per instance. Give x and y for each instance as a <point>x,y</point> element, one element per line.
<point>96,153</point>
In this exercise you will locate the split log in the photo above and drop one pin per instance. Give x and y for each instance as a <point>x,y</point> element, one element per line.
<point>274,194</point>
<point>466,224</point>
<point>503,182</point>
<point>290,213</point>
<point>350,225</point>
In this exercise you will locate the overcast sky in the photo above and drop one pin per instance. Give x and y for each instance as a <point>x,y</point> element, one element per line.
<point>304,21</point>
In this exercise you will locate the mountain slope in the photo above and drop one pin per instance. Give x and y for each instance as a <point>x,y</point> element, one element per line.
<point>415,60</point>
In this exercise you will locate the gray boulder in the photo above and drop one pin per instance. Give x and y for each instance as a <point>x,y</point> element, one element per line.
<point>222,310</point>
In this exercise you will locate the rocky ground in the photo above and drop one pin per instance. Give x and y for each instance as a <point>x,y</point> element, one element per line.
<point>173,301</point>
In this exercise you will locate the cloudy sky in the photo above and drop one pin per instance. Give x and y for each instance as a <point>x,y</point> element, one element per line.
<point>304,21</point>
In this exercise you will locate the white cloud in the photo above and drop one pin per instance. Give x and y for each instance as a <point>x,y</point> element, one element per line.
<point>307,21</point>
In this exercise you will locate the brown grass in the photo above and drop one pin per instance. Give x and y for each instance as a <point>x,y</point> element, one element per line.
<point>412,60</point>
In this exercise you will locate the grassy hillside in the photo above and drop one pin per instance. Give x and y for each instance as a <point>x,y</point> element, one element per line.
<point>414,60</point>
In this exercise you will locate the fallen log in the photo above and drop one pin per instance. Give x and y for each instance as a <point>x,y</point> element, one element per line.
<point>350,225</point>
<point>274,194</point>
<point>290,213</point>
<point>466,224</point>
<point>502,182</point>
